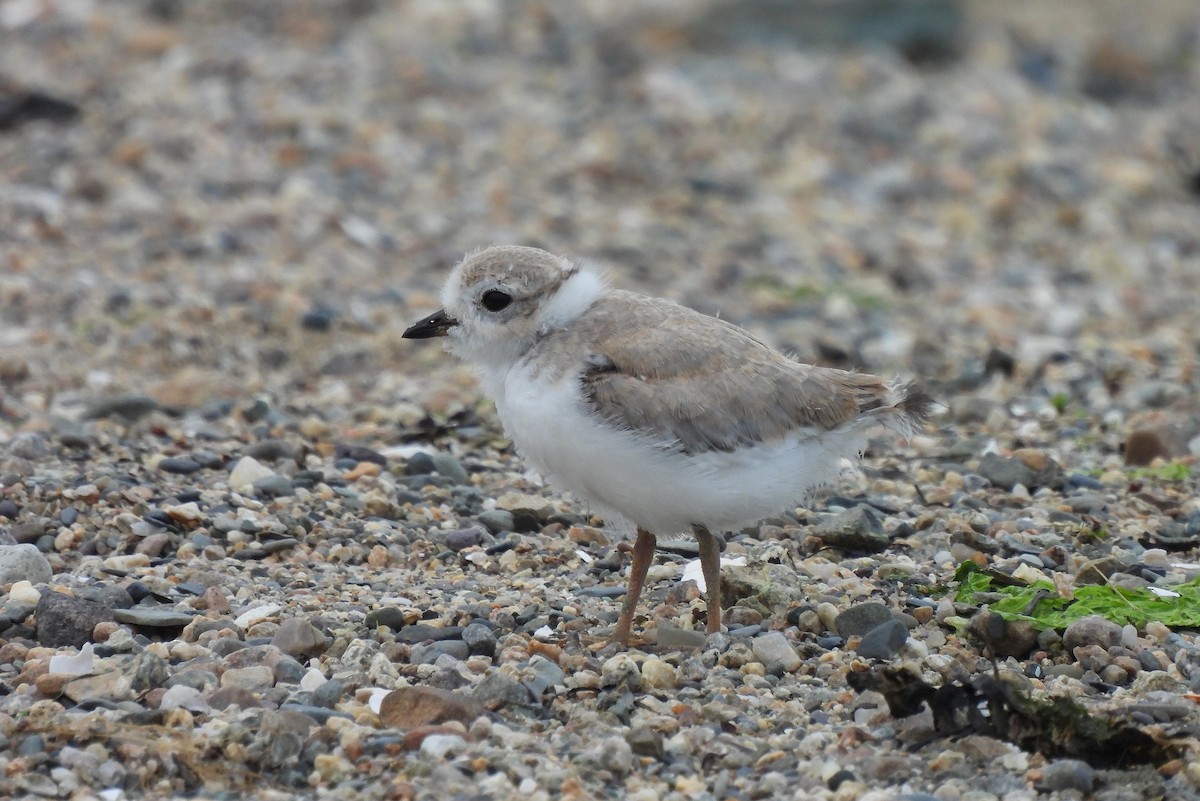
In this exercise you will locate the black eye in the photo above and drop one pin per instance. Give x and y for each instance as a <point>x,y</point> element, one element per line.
<point>495,300</point>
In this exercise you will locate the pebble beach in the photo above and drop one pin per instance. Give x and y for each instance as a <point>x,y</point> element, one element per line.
<point>255,545</point>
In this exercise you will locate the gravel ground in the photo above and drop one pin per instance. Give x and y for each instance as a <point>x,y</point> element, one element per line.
<point>254,545</point>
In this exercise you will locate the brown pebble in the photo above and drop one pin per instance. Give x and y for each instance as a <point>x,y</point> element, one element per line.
<point>923,614</point>
<point>548,650</point>
<point>1033,458</point>
<point>361,469</point>
<point>104,629</point>
<point>50,685</point>
<point>378,556</point>
<point>1144,446</point>
<point>413,707</point>
<point>214,599</point>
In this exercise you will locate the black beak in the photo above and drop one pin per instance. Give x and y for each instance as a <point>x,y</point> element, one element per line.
<point>435,325</point>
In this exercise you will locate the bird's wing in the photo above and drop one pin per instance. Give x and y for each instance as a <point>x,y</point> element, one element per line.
<point>702,384</point>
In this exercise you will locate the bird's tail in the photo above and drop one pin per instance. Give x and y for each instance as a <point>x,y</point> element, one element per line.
<point>907,407</point>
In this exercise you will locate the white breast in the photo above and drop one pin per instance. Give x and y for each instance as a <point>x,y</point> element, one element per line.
<point>647,483</point>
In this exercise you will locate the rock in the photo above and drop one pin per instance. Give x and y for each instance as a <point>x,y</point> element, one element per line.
<point>1005,472</point>
<point>775,652</point>
<point>856,529</point>
<point>429,654</point>
<point>153,617</point>
<point>463,538</point>
<point>530,512</point>
<point>541,675</point>
<point>645,741</point>
<point>147,671</point>
<point>620,670</point>
<point>1091,630</point>
<point>183,697</point>
<point>496,521</point>
<point>451,468</point>
<point>497,691</point>
<point>273,486</point>
<point>254,678</point>
<point>440,746</point>
<point>883,641</point>
<point>1068,774</point>
<point>658,675</point>
<point>128,408</point>
<point>419,464</point>
<point>270,450</point>
<point>111,686</point>
<point>609,753</point>
<point>63,620</point>
<point>861,618</point>
<point>328,693</point>
<point>410,707</point>
<point>678,639</point>
<point>480,639</point>
<point>299,638</point>
<point>23,563</point>
<point>28,445</point>
<point>1002,637</point>
<point>423,632</point>
<point>247,471</point>
<point>179,465</point>
<point>389,616</point>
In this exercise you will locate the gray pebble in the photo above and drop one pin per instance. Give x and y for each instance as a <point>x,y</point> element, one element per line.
<point>541,675</point>
<point>497,520</point>
<point>498,691</point>
<point>328,694</point>
<point>883,641</point>
<point>423,632</point>
<point>63,620</point>
<point>147,671</point>
<point>270,450</point>
<point>28,445</point>
<point>273,486</point>
<point>1068,774</point>
<point>9,509</point>
<point>419,464</point>
<point>428,654</point>
<point>178,464</point>
<point>775,652</point>
<point>23,562</point>
<point>678,639</point>
<point>463,538</point>
<point>153,617</point>
<point>1005,472</point>
<point>451,468</point>
<point>480,639</point>
<point>298,638</point>
<point>861,618</point>
<point>389,616</point>
<point>857,529</point>
<point>1091,630</point>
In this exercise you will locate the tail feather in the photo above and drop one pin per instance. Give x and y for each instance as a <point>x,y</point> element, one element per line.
<point>908,407</point>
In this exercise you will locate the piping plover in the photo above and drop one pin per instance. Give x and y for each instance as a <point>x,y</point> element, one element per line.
<point>668,418</point>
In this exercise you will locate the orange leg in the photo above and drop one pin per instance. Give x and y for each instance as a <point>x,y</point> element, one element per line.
<point>710,565</point>
<point>643,555</point>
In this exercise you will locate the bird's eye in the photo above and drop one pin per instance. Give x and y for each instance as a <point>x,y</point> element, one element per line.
<point>495,300</point>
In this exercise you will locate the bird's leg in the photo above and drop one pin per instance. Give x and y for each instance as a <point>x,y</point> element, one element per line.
<point>643,555</point>
<point>710,565</point>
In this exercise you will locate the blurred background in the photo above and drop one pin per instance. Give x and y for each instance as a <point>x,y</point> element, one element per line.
<point>204,201</point>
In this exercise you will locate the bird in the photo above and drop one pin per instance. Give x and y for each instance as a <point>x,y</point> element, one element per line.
<point>655,414</point>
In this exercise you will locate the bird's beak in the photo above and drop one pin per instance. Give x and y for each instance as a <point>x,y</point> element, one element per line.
<point>437,324</point>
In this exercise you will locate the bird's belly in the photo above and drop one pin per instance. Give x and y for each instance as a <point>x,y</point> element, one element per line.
<point>650,484</point>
